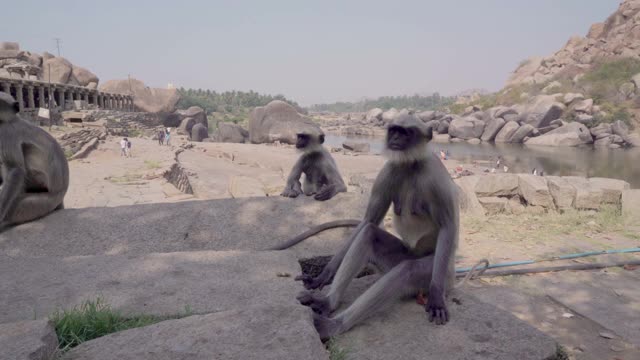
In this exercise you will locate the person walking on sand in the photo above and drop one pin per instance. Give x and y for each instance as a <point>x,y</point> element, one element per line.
<point>123,147</point>
<point>128,148</point>
<point>161,137</point>
<point>167,138</point>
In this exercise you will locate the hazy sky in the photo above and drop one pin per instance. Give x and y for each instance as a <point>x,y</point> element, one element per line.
<point>311,51</point>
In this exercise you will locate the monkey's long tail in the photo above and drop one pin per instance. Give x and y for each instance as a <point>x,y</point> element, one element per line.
<point>315,230</point>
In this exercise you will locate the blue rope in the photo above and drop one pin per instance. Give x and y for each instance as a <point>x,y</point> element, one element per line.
<point>561,257</point>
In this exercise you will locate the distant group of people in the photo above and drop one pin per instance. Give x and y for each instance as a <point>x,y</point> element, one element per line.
<point>444,154</point>
<point>499,162</point>
<point>536,172</point>
<point>164,136</point>
<point>125,147</point>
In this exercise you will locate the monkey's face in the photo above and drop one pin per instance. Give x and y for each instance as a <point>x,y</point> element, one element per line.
<point>305,141</point>
<point>400,138</point>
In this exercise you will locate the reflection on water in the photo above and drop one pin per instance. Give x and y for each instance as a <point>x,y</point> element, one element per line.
<point>590,162</point>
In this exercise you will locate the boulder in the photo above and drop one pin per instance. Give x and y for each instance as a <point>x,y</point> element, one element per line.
<point>611,189</point>
<point>541,110</point>
<point>374,114</point>
<point>603,141</point>
<point>426,115</point>
<point>602,128</point>
<point>441,138</point>
<point>511,117</point>
<point>144,98</point>
<point>8,45</point>
<point>199,132</point>
<point>571,97</point>
<point>534,191</point>
<point>269,331</point>
<point>186,125</point>
<point>502,111</point>
<point>34,59</point>
<point>389,115</point>
<point>474,141</point>
<point>469,203</point>
<point>466,128</point>
<point>632,139</point>
<point>583,106</point>
<point>507,131</point>
<point>279,121</point>
<point>618,127</point>
<point>627,90</point>
<point>491,130</point>
<point>28,340</point>
<point>563,193</point>
<point>47,56</point>
<point>83,76</point>
<point>588,197</point>
<point>356,146</point>
<point>196,113</point>
<point>585,119</point>
<point>497,185</point>
<point>11,54</point>
<point>572,134</point>
<point>522,132</point>
<point>494,205</point>
<point>617,139</point>
<point>443,127</point>
<point>92,86</point>
<point>58,68</point>
<point>231,133</point>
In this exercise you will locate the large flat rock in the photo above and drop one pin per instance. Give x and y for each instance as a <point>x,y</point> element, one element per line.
<point>159,284</point>
<point>259,332</point>
<point>476,330</point>
<point>225,224</point>
<point>28,340</point>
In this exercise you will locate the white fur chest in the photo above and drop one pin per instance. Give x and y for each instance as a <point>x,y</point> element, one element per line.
<point>417,232</point>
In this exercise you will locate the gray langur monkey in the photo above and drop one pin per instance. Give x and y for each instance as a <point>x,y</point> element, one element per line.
<point>34,173</point>
<point>426,216</point>
<point>322,177</point>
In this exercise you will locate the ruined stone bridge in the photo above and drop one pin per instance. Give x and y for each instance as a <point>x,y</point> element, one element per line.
<point>32,94</point>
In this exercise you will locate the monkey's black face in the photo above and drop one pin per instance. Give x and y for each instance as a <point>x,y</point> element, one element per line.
<point>400,138</point>
<point>303,141</point>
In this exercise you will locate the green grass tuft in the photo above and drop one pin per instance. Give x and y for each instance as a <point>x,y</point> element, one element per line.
<point>151,164</point>
<point>93,319</point>
<point>336,352</point>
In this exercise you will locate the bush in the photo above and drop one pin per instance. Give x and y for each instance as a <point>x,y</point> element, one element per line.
<point>603,82</point>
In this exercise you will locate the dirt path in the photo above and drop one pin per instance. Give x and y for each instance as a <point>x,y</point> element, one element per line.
<point>105,178</point>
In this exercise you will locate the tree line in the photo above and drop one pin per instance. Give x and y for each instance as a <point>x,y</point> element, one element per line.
<point>417,102</point>
<point>227,101</point>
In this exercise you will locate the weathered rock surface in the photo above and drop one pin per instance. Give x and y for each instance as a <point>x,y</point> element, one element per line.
<point>443,127</point>
<point>494,205</point>
<point>563,193</point>
<point>541,110</point>
<point>185,126</point>
<point>426,115</point>
<point>374,114</point>
<point>389,115</point>
<point>611,189</point>
<point>144,98</point>
<point>535,191</point>
<point>491,130</point>
<point>152,227</point>
<point>466,128</point>
<point>28,340</point>
<point>279,121</point>
<point>158,284</point>
<point>497,185</point>
<point>572,134</point>
<point>631,207</point>
<point>196,113</point>
<point>83,77</point>
<point>522,132</point>
<point>619,128</point>
<point>588,197</point>
<point>259,332</point>
<point>57,69</point>
<point>230,133</point>
<point>507,131</point>
<point>199,132</point>
<point>480,331</point>
<point>356,146</point>
<point>469,203</point>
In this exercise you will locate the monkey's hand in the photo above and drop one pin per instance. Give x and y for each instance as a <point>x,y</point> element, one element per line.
<point>318,282</point>
<point>436,307</point>
<point>288,192</point>
<point>326,193</point>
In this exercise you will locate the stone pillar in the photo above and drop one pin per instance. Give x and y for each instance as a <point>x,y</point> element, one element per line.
<point>31,101</point>
<point>85,97</point>
<point>41,102</point>
<point>6,87</point>
<point>20,96</point>
<point>100,101</point>
<point>94,95</point>
<point>109,102</point>
<point>60,97</point>
<point>69,96</point>
<point>119,102</point>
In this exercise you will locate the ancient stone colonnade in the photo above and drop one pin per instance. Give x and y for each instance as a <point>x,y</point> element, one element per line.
<point>32,94</point>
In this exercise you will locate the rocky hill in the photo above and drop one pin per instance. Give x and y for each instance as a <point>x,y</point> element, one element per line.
<point>21,64</point>
<point>616,38</point>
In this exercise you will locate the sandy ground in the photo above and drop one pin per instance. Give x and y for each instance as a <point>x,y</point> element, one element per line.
<point>574,307</point>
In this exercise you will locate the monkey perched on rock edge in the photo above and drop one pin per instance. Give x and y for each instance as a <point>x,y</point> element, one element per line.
<point>322,177</point>
<point>34,173</point>
<point>426,215</point>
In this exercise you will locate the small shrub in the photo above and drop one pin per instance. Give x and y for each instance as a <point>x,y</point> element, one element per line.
<point>336,352</point>
<point>152,164</point>
<point>602,83</point>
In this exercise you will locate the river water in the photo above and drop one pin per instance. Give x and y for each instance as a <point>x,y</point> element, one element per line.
<point>589,161</point>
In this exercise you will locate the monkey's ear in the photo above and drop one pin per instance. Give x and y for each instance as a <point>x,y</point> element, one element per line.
<point>321,138</point>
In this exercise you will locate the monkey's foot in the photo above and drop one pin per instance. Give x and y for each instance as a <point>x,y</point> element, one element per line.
<point>316,301</point>
<point>325,193</point>
<point>326,327</point>
<point>290,193</point>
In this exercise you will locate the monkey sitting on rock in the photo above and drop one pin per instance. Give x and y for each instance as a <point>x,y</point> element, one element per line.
<point>425,206</point>
<point>322,177</point>
<point>34,172</point>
